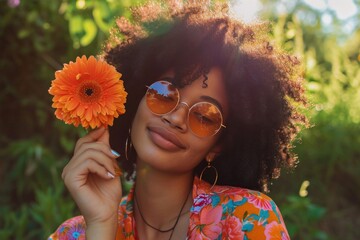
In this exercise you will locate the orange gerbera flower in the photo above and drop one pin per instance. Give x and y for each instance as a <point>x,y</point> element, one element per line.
<point>88,92</point>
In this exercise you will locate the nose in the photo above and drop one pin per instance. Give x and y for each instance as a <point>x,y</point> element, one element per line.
<point>177,118</point>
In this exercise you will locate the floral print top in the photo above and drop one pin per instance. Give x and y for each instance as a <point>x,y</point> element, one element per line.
<point>219,213</point>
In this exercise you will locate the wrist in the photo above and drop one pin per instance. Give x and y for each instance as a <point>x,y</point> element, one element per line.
<point>102,230</point>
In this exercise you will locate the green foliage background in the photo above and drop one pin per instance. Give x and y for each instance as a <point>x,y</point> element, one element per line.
<point>319,200</point>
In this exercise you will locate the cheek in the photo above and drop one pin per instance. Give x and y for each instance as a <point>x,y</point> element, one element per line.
<point>200,148</point>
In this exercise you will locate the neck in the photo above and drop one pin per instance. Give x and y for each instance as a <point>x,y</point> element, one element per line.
<point>160,197</point>
<point>159,183</point>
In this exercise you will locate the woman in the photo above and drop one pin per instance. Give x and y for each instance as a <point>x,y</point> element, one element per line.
<point>211,113</point>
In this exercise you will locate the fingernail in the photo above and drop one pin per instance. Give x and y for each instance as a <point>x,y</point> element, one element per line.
<point>115,153</point>
<point>109,174</point>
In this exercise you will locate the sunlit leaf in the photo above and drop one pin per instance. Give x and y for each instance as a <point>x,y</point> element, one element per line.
<point>90,32</point>
<point>102,15</point>
<point>76,24</point>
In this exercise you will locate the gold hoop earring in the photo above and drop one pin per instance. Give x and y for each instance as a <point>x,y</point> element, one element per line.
<point>128,145</point>
<point>209,159</point>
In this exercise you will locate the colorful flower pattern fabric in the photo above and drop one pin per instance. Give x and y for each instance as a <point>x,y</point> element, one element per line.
<point>219,213</point>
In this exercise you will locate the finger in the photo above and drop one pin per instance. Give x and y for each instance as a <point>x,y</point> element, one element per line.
<point>100,146</point>
<point>100,152</point>
<point>77,177</point>
<point>98,156</point>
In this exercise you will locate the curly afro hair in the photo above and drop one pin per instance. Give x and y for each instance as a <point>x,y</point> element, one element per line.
<point>264,84</point>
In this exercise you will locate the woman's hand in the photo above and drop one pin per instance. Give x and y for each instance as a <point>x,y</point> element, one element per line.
<point>90,177</point>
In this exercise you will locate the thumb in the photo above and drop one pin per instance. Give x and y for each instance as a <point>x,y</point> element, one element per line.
<point>104,137</point>
<point>95,134</point>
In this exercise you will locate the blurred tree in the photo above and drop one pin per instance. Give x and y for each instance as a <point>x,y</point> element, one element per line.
<point>37,37</point>
<point>329,151</point>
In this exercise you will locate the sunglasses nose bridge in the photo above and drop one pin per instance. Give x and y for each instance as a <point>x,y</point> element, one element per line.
<point>179,106</point>
<point>184,103</point>
<point>186,107</point>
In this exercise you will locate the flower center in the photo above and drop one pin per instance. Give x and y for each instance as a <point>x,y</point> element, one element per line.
<point>89,91</point>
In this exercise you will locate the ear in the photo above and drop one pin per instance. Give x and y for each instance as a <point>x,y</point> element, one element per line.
<point>213,153</point>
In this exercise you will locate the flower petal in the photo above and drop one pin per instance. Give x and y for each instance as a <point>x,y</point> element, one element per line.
<point>89,105</point>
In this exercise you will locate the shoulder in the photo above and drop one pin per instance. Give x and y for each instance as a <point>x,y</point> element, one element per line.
<point>254,200</point>
<point>232,196</point>
<point>73,228</point>
<point>238,213</point>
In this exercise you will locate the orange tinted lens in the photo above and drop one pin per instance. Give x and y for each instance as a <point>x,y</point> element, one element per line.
<point>162,97</point>
<point>205,119</point>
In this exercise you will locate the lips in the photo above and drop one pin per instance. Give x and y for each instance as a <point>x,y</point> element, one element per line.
<point>165,139</point>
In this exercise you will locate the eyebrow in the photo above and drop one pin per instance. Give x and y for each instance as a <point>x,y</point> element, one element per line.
<point>167,78</point>
<point>212,100</point>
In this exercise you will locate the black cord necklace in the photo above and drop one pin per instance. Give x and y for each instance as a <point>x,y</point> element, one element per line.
<point>158,229</point>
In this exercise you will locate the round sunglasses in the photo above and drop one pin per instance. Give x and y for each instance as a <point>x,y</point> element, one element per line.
<point>204,118</point>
